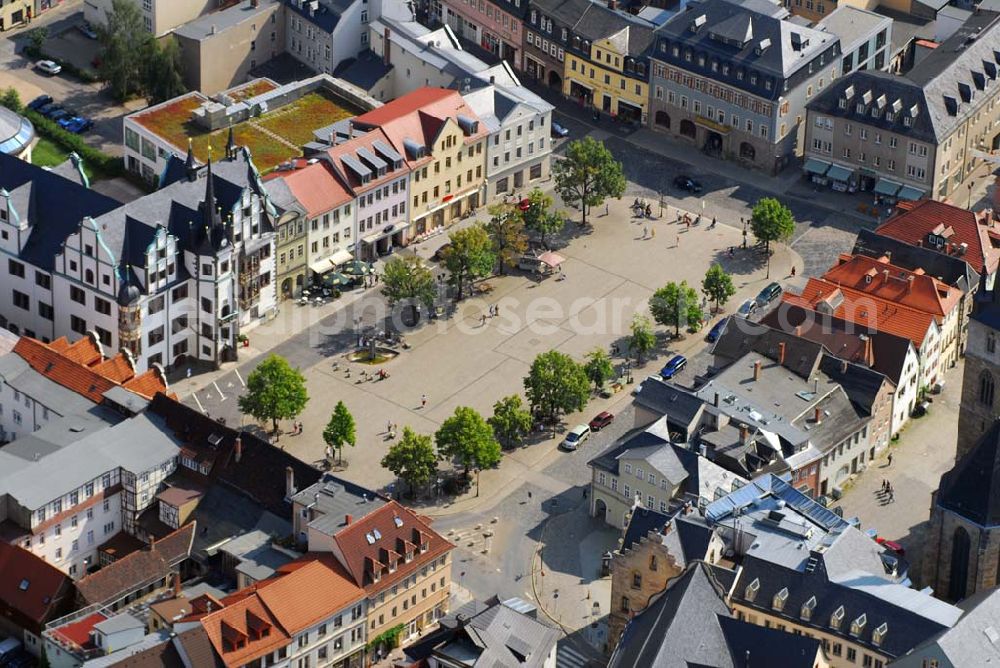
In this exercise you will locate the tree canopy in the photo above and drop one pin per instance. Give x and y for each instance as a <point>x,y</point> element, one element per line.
<point>467,437</point>
<point>642,339</point>
<point>506,230</point>
<point>771,220</point>
<point>587,175</point>
<point>676,305</point>
<point>407,280</point>
<point>598,367</point>
<point>718,285</point>
<point>340,429</point>
<point>470,257</point>
<point>412,459</point>
<point>540,218</point>
<point>132,62</point>
<point>275,391</point>
<point>556,384</point>
<point>511,421</point>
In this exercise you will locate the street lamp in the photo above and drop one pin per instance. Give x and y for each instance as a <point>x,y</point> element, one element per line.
<point>972,184</point>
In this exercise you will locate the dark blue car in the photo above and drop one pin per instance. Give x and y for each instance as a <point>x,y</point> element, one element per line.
<point>673,367</point>
<point>717,330</point>
<point>40,102</point>
<point>76,124</point>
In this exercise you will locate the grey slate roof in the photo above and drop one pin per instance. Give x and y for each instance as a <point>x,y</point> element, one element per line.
<point>972,487</point>
<point>946,268</point>
<point>215,22</point>
<point>679,628</point>
<point>54,205</point>
<point>778,49</point>
<point>682,407</point>
<point>364,71</point>
<point>608,460</point>
<point>973,641</point>
<point>949,85</point>
<point>333,499</point>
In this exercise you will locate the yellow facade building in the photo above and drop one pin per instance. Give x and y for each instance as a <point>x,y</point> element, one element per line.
<point>610,73</point>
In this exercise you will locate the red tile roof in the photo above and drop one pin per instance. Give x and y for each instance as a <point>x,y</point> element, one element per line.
<point>379,541</point>
<point>350,147</point>
<point>878,278</point>
<point>916,220</point>
<point>76,634</point>
<point>81,368</point>
<point>305,595</point>
<point>244,631</point>
<point>32,591</point>
<point>419,116</point>
<point>863,309</point>
<point>316,188</point>
<point>121,577</point>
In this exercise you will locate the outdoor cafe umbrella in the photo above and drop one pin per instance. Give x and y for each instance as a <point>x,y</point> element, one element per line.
<point>335,279</point>
<point>357,268</point>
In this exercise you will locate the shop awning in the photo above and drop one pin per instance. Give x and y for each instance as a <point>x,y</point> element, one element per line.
<point>910,193</point>
<point>838,173</point>
<point>340,257</point>
<point>551,259</point>
<point>887,188</point>
<point>816,166</point>
<point>321,266</point>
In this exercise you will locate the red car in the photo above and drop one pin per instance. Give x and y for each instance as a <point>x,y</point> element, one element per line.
<point>602,420</point>
<point>891,545</point>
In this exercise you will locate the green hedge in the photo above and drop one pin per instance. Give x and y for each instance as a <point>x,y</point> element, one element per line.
<point>69,68</point>
<point>100,161</point>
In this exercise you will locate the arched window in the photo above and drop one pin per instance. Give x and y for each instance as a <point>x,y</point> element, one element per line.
<point>991,343</point>
<point>652,562</point>
<point>88,276</point>
<point>959,577</point>
<point>986,388</point>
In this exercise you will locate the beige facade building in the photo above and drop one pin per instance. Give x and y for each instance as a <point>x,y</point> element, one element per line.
<point>219,50</point>
<point>920,135</point>
<point>15,13</point>
<point>158,16</point>
<point>443,143</point>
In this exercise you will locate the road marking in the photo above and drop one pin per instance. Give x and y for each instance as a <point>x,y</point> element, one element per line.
<point>242,382</point>
<point>222,397</point>
<point>200,407</point>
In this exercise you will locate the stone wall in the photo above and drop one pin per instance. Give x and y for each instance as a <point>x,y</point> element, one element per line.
<point>984,554</point>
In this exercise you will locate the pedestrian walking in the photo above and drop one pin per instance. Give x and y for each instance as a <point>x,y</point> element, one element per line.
<point>482,323</point>
<point>529,495</point>
<point>423,400</point>
<point>890,459</point>
<point>732,251</point>
<point>607,209</point>
<point>793,271</point>
<point>388,426</point>
<point>645,232</point>
<point>892,497</point>
<point>677,244</point>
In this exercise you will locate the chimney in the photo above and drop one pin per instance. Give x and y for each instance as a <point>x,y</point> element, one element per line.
<point>756,370</point>
<point>613,5</point>
<point>386,60</point>
<point>152,543</point>
<point>177,585</point>
<point>289,482</point>
<point>716,400</point>
<point>816,385</point>
<point>744,434</point>
<point>818,415</point>
<point>781,353</point>
<point>348,519</point>
<point>239,449</point>
<point>909,283</point>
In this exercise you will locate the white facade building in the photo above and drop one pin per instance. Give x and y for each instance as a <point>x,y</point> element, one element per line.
<point>323,33</point>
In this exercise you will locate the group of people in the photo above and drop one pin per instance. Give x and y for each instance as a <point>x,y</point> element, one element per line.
<point>888,491</point>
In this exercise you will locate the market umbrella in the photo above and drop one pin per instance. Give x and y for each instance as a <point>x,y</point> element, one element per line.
<point>357,268</point>
<point>335,279</point>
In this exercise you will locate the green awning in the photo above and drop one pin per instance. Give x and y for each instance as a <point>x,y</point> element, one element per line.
<point>887,188</point>
<point>910,193</point>
<point>816,166</point>
<point>838,173</point>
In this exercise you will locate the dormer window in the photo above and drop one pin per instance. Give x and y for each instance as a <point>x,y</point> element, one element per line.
<point>890,117</point>
<point>751,591</point>
<point>907,121</point>
<point>858,625</point>
<point>425,546</point>
<point>807,608</point>
<point>778,602</point>
<point>409,556</point>
<point>879,634</point>
<point>860,107</point>
<point>843,103</point>
<point>837,618</point>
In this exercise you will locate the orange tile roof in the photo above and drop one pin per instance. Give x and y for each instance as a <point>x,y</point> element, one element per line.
<point>309,594</point>
<point>916,220</point>
<point>910,288</point>
<point>244,631</point>
<point>419,116</point>
<point>361,555</point>
<point>350,147</point>
<point>75,367</point>
<point>863,309</point>
<point>316,188</point>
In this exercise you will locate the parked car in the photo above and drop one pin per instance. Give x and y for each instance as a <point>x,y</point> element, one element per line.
<point>747,308</point>
<point>76,124</point>
<point>771,292</point>
<point>49,108</point>
<point>717,330</point>
<point>87,30</point>
<point>575,437</point>
<point>40,102</point>
<point>891,545</point>
<point>685,182</point>
<point>17,659</point>
<point>601,420</point>
<point>49,67</point>
<point>558,130</point>
<point>673,367</point>
<point>59,114</point>
<point>439,253</point>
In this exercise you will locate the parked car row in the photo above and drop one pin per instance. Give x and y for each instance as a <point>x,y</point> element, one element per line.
<point>12,654</point>
<point>67,118</point>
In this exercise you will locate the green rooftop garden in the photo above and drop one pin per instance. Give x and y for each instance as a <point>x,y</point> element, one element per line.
<point>290,126</point>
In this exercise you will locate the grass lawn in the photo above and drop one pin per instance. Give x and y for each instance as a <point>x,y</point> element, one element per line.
<point>294,122</point>
<point>47,153</point>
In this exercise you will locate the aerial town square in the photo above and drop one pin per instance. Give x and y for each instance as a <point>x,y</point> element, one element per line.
<point>499,333</point>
